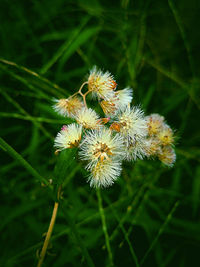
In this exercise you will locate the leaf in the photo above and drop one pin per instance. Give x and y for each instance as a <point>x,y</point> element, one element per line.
<point>64,165</point>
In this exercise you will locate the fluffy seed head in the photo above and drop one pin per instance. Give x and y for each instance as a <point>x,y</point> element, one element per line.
<point>132,123</point>
<point>68,107</point>
<point>155,123</point>
<point>101,145</point>
<point>109,107</point>
<point>153,146</point>
<point>68,137</point>
<point>125,97</point>
<point>119,101</point>
<point>167,156</point>
<point>101,84</point>
<point>136,149</point>
<point>104,173</point>
<point>88,118</point>
<point>165,136</point>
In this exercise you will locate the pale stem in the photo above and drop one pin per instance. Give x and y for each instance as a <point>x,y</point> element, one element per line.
<point>73,95</point>
<point>82,87</point>
<point>79,91</point>
<point>50,230</point>
<point>84,100</point>
<point>84,97</point>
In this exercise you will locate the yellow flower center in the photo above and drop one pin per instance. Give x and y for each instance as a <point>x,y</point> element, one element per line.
<point>102,151</point>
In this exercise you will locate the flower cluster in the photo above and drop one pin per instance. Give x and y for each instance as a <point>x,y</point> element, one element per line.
<point>122,133</point>
<point>161,139</point>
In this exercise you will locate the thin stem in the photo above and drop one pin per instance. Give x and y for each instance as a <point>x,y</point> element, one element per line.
<point>125,235</point>
<point>84,100</point>
<point>89,91</point>
<point>50,230</point>
<point>80,93</point>
<point>84,97</point>
<point>73,95</point>
<point>103,220</point>
<point>162,228</point>
<point>82,87</point>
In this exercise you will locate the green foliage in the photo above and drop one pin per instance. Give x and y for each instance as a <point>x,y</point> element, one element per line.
<point>150,216</point>
<point>64,165</point>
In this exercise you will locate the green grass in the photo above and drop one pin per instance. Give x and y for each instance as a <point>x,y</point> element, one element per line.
<point>150,216</point>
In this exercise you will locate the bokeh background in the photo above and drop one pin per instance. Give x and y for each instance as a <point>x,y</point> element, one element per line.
<point>152,213</point>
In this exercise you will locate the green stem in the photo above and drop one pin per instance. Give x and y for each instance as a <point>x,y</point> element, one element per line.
<point>103,220</point>
<point>5,146</point>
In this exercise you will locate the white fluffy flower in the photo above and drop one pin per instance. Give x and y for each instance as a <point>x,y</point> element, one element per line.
<point>125,97</point>
<point>101,145</point>
<point>104,173</point>
<point>155,117</point>
<point>136,148</point>
<point>118,102</point>
<point>154,122</point>
<point>67,107</point>
<point>101,84</point>
<point>132,123</point>
<point>88,118</point>
<point>68,137</point>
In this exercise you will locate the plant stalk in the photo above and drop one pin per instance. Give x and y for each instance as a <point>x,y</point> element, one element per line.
<point>50,230</point>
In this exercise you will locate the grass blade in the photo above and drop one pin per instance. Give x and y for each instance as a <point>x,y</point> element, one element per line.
<point>162,228</point>
<point>13,153</point>
<point>63,48</point>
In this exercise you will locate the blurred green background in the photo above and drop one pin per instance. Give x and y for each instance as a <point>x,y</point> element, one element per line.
<point>152,213</point>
